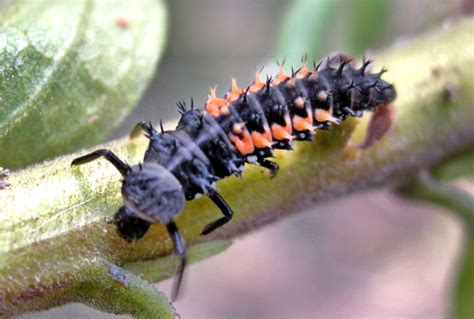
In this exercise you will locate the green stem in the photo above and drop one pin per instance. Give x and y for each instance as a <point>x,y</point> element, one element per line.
<point>309,19</point>
<point>459,166</point>
<point>463,305</point>
<point>164,268</point>
<point>115,290</point>
<point>54,219</point>
<point>456,201</point>
<point>429,189</point>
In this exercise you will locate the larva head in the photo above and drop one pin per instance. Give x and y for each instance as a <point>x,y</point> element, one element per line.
<point>152,193</point>
<point>129,226</point>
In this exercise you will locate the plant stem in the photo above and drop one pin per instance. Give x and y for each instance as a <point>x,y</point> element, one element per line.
<point>429,189</point>
<point>462,305</point>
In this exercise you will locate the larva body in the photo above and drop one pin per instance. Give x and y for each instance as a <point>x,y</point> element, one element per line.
<point>245,126</point>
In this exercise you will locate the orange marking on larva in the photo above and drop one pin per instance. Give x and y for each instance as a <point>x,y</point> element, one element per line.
<point>214,99</point>
<point>243,144</point>
<point>303,123</point>
<point>299,102</point>
<point>237,128</point>
<point>224,110</point>
<point>213,94</point>
<point>281,133</point>
<point>258,84</point>
<point>304,71</point>
<point>212,109</point>
<point>214,104</point>
<point>281,76</point>
<point>322,96</point>
<point>234,92</point>
<point>288,127</point>
<point>262,140</point>
<point>291,83</point>
<point>314,76</point>
<point>322,115</point>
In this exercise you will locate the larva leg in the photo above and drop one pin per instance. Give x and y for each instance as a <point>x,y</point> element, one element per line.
<point>272,166</point>
<point>180,249</point>
<point>225,209</point>
<point>122,167</point>
<point>129,227</point>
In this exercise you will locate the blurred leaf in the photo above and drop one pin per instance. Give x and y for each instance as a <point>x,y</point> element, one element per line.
<point>70,71</point>
<point>368,24</point>
<point>305,29</point>
<point>312,25</point>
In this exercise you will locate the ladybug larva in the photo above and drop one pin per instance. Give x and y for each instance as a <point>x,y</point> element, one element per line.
<point>244,126</point>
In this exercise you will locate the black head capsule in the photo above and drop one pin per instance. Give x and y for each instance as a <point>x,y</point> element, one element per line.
<point>129,226</point>
<point>151,194</point>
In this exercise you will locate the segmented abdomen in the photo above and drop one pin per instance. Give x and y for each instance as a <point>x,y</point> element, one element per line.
<point>271,114</point>
<point>246,125</point>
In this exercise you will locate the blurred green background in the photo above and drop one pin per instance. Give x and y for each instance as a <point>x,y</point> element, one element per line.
<point>370,255</point>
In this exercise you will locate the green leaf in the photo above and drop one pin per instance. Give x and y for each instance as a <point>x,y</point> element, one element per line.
<point>311,26</point>
<point>112,289</point>
<point>305,29</point>
<point>368,24</point>
<point>70,71</point>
